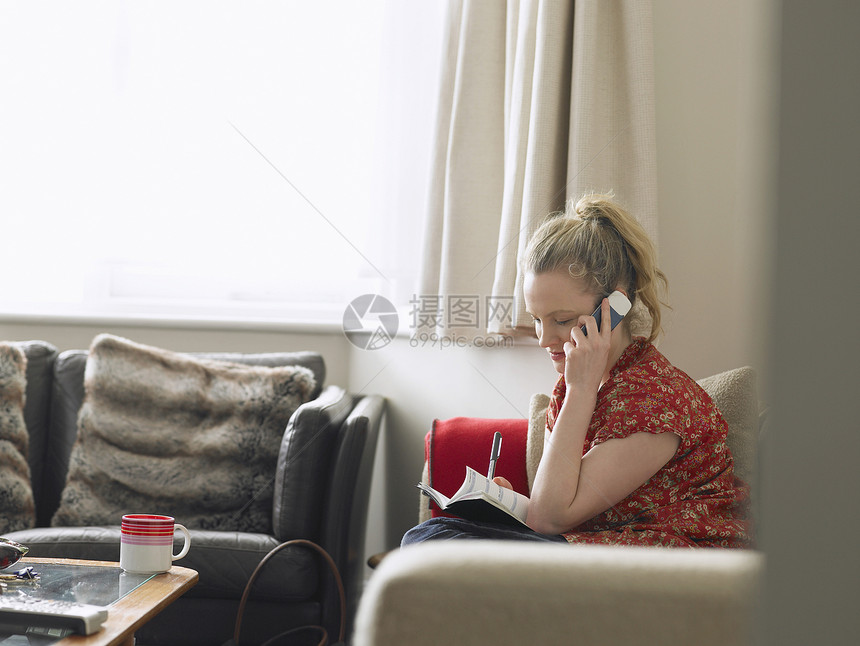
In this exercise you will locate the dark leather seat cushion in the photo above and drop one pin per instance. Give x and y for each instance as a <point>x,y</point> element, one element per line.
<point>224,560</point>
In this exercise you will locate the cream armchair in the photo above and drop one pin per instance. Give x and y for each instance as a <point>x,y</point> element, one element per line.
<point>484,592</point>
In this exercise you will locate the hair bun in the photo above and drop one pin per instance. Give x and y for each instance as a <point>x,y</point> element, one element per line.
<point>588,214</point>
<point>590,207</point>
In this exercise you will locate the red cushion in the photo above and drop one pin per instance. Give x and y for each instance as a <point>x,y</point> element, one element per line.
<point>453,444</point>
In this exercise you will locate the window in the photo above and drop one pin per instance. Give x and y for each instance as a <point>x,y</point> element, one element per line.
<point>253,160</point>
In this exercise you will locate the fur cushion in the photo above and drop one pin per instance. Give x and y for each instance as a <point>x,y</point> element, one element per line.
<point>163,432</point>
<point>17,509</point>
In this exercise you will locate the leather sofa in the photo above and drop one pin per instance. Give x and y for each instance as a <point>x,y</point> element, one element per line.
<point>321,494</point>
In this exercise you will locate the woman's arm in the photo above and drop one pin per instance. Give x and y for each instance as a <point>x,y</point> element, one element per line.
<point>570,488</point>
<point>607,474</point>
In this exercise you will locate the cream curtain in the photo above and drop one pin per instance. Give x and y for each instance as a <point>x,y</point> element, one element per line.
<point>540,100</point>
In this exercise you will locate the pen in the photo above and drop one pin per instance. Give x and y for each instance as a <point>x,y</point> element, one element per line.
<point>494,454</point>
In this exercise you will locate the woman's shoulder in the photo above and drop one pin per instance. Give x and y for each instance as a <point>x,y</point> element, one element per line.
<point>656,394</point>
<point>642,363</point>
<point>650,372</point>
<point>648,361</point>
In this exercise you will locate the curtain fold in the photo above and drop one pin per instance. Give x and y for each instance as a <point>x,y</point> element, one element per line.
<point>540,101</point>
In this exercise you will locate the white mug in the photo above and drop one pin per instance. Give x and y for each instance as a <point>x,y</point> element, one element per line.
<point>146,543</point>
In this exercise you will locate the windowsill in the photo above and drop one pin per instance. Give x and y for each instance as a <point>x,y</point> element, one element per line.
<point>245,323</point>
<point>320,324</point>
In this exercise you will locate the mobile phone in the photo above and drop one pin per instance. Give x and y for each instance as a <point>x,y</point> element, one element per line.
<point>619,306</point>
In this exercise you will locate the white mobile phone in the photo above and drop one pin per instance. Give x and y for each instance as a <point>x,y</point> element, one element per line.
<point>619,306</point>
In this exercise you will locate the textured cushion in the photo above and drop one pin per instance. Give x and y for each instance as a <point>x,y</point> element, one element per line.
<point>17,508</point>
<point>735,394</point>
<point>537,434</point>
<point>165,432</point>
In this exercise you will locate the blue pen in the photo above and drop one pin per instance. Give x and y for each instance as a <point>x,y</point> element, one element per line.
<point>494,454</point>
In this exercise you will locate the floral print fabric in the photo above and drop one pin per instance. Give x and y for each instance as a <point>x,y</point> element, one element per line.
<point>695,499</point>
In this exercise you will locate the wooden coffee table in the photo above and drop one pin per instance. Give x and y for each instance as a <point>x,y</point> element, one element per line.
<point>135,609</point>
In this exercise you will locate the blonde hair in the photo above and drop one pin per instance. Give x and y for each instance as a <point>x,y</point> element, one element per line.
<point>599,242</point>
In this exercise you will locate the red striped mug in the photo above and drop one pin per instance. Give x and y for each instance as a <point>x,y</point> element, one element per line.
<point>146,543</point>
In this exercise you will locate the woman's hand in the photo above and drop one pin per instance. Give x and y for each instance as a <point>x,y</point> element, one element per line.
<point>586,357</point>
<point>503,482</point>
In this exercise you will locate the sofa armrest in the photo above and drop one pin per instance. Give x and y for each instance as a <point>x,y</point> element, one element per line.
<point>487,592</point>
<point>304,465</point>
<point>345,516</point>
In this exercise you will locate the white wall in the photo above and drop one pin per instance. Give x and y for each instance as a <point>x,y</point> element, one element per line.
<point>710,60</point>
<point>714,81</point>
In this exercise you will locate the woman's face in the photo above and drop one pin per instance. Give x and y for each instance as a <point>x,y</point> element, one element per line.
<point>556,300</point>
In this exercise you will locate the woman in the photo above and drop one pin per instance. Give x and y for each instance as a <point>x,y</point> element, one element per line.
<point>636,453</point>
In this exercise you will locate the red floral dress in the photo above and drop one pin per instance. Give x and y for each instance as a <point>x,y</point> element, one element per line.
<point>695,499</point>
